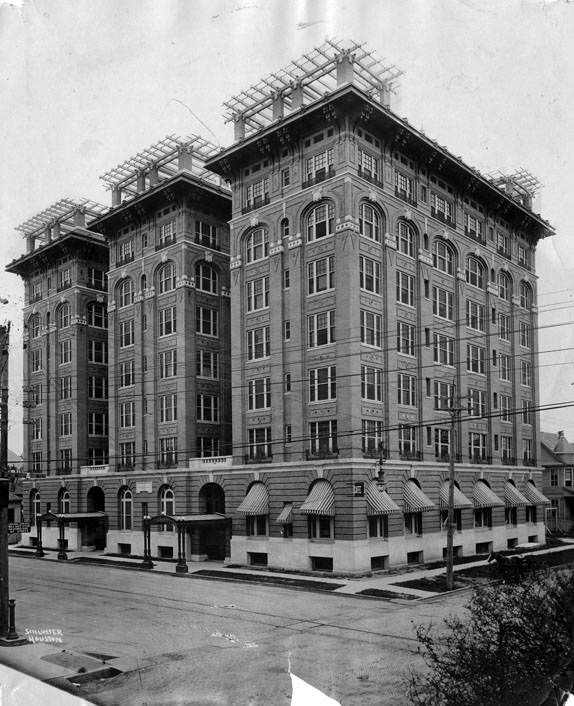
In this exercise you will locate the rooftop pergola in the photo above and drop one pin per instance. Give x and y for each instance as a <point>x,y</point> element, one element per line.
<point>307,80</point>
<point>60,218</point>
<point>158,162</point>
<point>521,179</point>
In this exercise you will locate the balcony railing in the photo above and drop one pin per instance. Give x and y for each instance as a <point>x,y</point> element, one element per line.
<point>504,252</point>
<point>94,470</point>
<point>508,461</point>
<point>319,176</point>
<point>63,285</point>
<point>259,458</point>
<point>257,202</point>
<point>480,458</point>
<point>410,456</point>
<point>369,176</point>
<point>475,236</point>
<point>445,457</point>
<point>165,243</point>
<point>529,462</point>
<point>125,259</point>
<point>322,454</point>
<point>210,462</point>
<point>439,215</point>
<point>407,196</point>
<point>206,242</point>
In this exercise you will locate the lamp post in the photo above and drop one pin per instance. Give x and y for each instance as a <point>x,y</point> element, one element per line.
<point>147,562</point>
<point>4,481</point>
<point>454,411</point>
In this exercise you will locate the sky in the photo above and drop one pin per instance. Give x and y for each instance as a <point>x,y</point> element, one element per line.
<point>86,84</point>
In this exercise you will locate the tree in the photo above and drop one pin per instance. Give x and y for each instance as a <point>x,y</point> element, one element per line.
<point>515,646</point>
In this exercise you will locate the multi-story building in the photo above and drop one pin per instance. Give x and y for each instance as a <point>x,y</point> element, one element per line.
<point>377,282</point>
<point>557,460</point>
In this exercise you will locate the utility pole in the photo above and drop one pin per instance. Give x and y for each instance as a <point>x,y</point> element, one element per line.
<point>4,480</point>
<point>454,410</point>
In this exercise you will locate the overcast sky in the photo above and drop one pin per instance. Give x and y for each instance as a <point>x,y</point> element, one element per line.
<point>85,85</point>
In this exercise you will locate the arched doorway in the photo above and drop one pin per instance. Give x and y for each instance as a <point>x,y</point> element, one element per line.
<point>212,538</point>
<point>94,531</point>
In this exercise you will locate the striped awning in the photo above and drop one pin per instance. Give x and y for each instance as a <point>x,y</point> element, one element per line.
<point>460,500</point>
<point>256,502</point>
<point>513,497</point>
<point>379,502</point>
<point>534,496</point>
<point>320,501</point>
<point>285,517</point>
<point>483,496</point>
<point>414,499</point>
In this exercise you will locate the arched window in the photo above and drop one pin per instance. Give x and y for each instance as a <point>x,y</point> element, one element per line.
<point>205,278</point>
<point>320,221</point>
<point>35,506</point>
<point>34,325</point>
<point>143,282</point>
<point>97,315</point>
<point>166,277</point>
<point>474,273</point>
<point>284,227</point>
<point>126,507</point>
<point>63,501</point>
<point>504,286</point>
<point>443,257</point>
<point>369,222</point>
<point>257,245</point>
<point>405,239</point>
<point>63,315</point>
<point>526,297</point>
<point>125,292</point>
<point>166,505</point>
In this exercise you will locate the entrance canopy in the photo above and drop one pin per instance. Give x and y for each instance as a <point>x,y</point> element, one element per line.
<point>71,516</point>
<point>187,520</point>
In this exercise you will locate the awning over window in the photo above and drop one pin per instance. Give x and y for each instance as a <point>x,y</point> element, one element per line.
<point>460,500</point>
<point>513,497</point>
<point>285,517</point>
<point>379,502</point>
<point>534,496</point>
<point>256,502</point>
<point>414,499</point>
<point>483,496</point>
<point>320,501</point>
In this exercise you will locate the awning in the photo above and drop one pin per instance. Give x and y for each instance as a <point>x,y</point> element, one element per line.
<point>414,498</point>
<point>534,496</point>
<point>256,502</point>
<point>379,502</point>
<point>483,496</point>
<point>72,516</point>
<point>320,501</point>
<point>285,517</point>
<point>513,497</point>
<point>460,500</point>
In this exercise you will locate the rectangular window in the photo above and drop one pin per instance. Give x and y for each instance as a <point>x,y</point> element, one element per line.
<point>443,395</point>
<point>207,408</point>
<point>65,387</point>
<point>206,235</point>
<point>527,412</point>
<point>369,275</point>
<point>407,390</point>
<point>128,453</point>
<point>168,451</point>
<point>476,403</point>
<point>405,289</point>
<point>260,393</point>
<point>526,373</point>
<point>168,407</point>
<point>506,447</point>
<point>286,279</point>
<point>97,387</point>
<point>98,352</point>
<point>404,186</point>
<point>127,377</point>
<point>323,384</point>
<point>523,256</point>
<point>505,408</point>
<point>372,435</point>
<point>206,321</point>
<point>442,303</point>
<point>287,382</point>
<point>368,165</point>
<point>319,166</point>
<point>36,292</point>
<point>321,275</point>
<point>207,364</point>
<point>65,278</point>
<point>476,446</point>
<point>405,338</point>
<point>443,349</point>
<point>287,330</point>
<point>208,446</point>
<point>166,233</point>
<point>36,428</point>
<point>473,227</point>
<point>125,252</point>
<point>414,523</point>
<point>285,177</point>
<point>256,194</point>
<point>474,315</point>
<point>371,383</point>
<point>407,441</point>
<point>441,208</point>
<point>503,244</point>
<point>259,443</point>
<point>321,329</point>
<point>527,450</point>
<point>127,414</point>
<point>504,327</point>
<point>323,437</point>
<point>167,321</point>
<point>36,360</point>
<point>66,424</point>
<point>442,443</point>
<point>504,367</point>
<point>525,335</point>
<point>98,424</point>
<point>258,294</point>
<point>258,343</point>
<point>168,364</point>
<point>475,359</point>
<point>371,328</point>
<point>65,348</point>
<point>287,434</point>
<point>483,517</point>
<point>126,333</point>
<point>65,465</point>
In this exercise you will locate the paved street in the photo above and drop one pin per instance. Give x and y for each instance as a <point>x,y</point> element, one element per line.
<point>182,640</point>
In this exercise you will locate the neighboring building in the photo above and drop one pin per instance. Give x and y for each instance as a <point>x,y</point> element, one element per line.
<point>557,459</point>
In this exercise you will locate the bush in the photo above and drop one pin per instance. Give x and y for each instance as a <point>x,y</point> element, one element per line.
<point>514,647</point>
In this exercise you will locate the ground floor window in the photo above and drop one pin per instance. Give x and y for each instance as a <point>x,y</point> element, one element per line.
<point>320,527</point>
<point>483,517</point>
<point>379,526</point>
<point>456,519</point>
<point>531,514</point>
<point>511,516</point>
<point>414,523</point>
<point>256,525</point>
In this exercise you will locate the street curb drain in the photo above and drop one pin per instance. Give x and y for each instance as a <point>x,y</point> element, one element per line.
<point>97,675</point>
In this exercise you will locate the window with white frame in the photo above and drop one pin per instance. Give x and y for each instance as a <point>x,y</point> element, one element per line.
<point>127,376</point>
<point>483,517</point>
<point>443,349</point>
<point>168,363</point>
<point>319,165</point>
<point>64,315</point>
<point>503,243</point>
<point>97,351</point>
<point>125,251</point>
<point>371,328</point>
<point>207,408</point>
<point>372,435</point>
<point>206,235</point>
<point>167,321</point>
<point>320,526</point>
<point>259,439</point>
<point>97,423</point>
<point>65,426</point>
<point>126,505</point>
<point>526,373</point>
<point>404,185</point>
<point>504,367</point>
<point>474,273</point>
<point>208,446</point>
<point>527,449</point>
<point>206,279</point>
<point>65,351</point>
<point>441,443</point>
<point>36,394</point>
<point>320,221</point>
<point>166,278</point>
<point>259,393</point>
<point>369,222</point>
<point>378,526</point>
<point>475,315</point>
<point>371,383</point>
<point>128,453</point>
<point>323,384</point>
<point>166,232</point>
<point>505,404</point>
<point>526,297</point>
<point>34,326</point>
<point>36,429</point>
<point>257,193</point>
<point>443,395</point>
<point>168,451</point>
<point>475,359</point>
<point>168,407</point>
<point>405,239</point>
<point>369,275</point>
<point>407,390</point>
<point>207,364</point>
<point>473,226</point>
<point>36,291</point>
<point>125,293</point>
<point>257,293</point>
<point>405,288</point>
<point>257,245</point>
<point>476,403</point>
<point>323,437</point>
<point>506,447</point>
<point>65,278</point>
<point>64,501</point>
<point>504,327</point>
<point>442,208</point>
<point>127,414</point>
<point>525,335</point>
<point>65,387</point>
<point>126,330</point>
<point>405,338</point>
<point>97,315</point>
<point>413,523</point>
<point>368,165</point>
<point>504,286</point>
<point>258,343</point>
<point>442,303</point>
<point>527,412</point>
<point>206,321</point>
<point>407,440</point>
<point>443,257</point>
<point>523,256</point>
<point>321,329</point>
<point>321,275</point>
<point>36,360</point>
